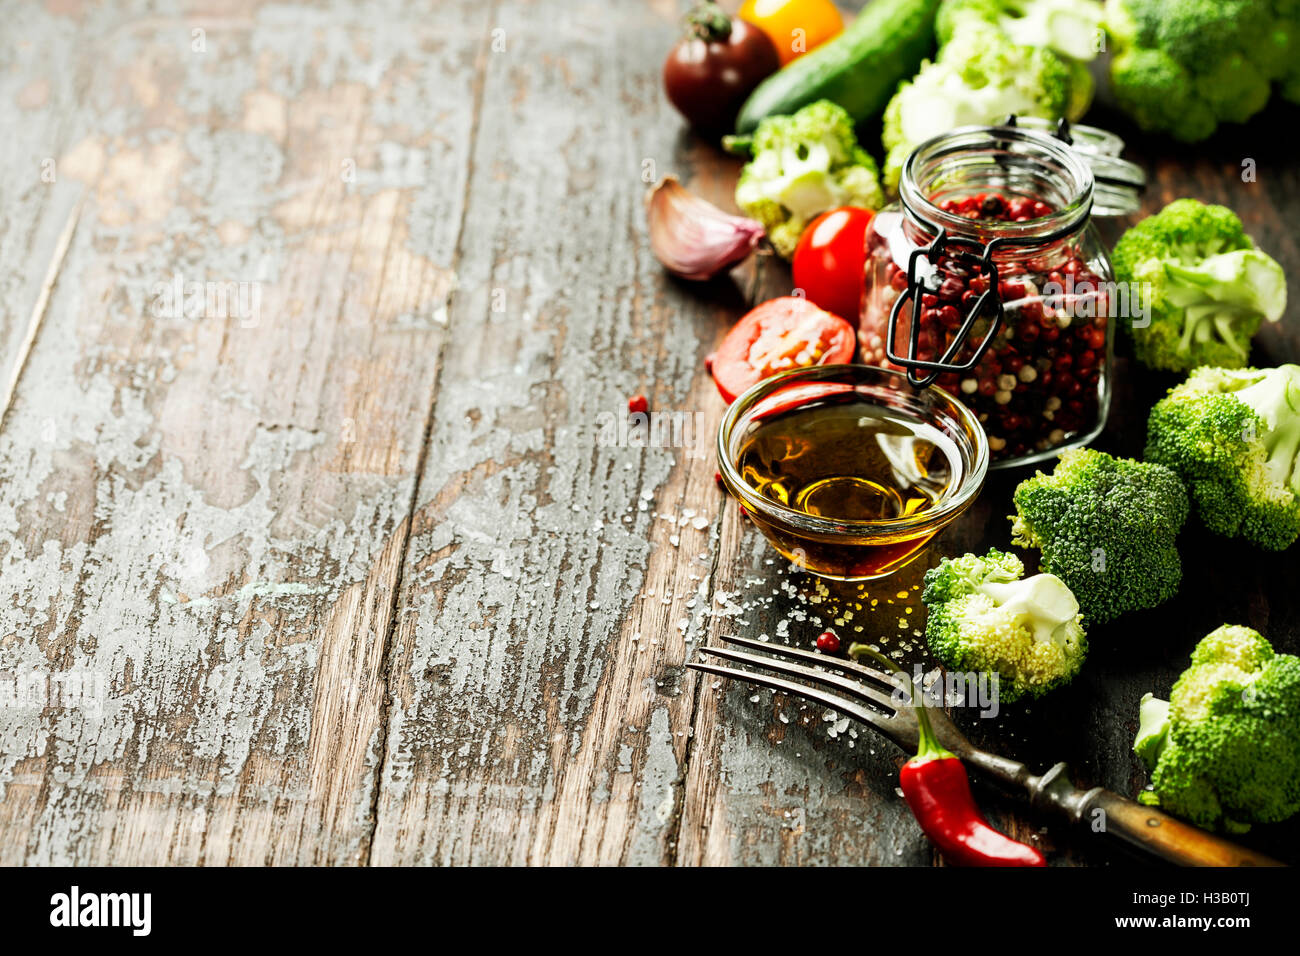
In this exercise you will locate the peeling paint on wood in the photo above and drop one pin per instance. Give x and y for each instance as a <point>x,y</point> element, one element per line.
<point>338,565</point>
<point>208,510</point>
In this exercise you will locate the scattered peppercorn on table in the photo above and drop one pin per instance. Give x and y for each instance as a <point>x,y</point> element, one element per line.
<point>328,533</point>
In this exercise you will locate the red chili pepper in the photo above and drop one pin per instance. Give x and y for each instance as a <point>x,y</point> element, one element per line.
<point>937,789</point>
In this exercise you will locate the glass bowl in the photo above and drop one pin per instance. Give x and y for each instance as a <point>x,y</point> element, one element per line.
<point>856,548</point>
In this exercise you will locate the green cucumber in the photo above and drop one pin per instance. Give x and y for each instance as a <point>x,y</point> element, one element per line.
<point>860,69</point>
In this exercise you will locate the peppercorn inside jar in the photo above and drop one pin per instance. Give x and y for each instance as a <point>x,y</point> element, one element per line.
<point>991,244</point>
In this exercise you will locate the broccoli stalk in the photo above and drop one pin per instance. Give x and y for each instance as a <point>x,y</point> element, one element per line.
<point>1153,729</point>
<point>985,617</point>
<point>1209,288</point>
<point>1068,28</point>
<point>1222,749</point>
<point>1233,436</point>
<point>802,166</point>
<point>1224,292</point>
<point>1275,398</point>
<point>1106,526</point>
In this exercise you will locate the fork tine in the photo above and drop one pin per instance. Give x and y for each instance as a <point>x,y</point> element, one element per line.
<point>846,685</point>
<point>785,650</point>
<point>886,725</point>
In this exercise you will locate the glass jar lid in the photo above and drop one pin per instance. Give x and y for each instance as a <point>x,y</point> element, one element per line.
<point>1117,183</point>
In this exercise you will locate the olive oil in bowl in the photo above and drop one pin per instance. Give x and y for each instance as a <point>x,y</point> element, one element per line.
<point>851,479</point>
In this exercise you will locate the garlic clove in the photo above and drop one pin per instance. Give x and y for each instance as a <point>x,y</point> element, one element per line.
<point>693,238</point>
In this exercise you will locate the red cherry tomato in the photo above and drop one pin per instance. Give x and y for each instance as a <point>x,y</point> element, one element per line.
<point>781,334</point>
<point>830,260</point>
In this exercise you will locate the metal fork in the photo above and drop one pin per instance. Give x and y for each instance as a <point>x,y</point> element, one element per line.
<point>871,696</point>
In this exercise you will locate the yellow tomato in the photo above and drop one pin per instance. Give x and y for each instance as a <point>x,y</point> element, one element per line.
<point>793,26</point>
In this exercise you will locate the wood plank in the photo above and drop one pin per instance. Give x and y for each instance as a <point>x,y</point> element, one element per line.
<point>538,711</point>
<point>214,520</point>
<point>42,143</point>
<point>358,580</point>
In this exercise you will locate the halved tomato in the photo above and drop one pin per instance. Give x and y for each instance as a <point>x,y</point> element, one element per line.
<point>780,334</point>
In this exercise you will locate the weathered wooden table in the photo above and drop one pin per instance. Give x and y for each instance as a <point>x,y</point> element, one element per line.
<point>312,547</point>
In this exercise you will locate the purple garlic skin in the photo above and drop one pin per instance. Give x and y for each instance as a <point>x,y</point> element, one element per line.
<point>693,238</point>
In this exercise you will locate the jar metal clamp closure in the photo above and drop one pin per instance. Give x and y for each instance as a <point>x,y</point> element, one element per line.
<point>1122,182</point>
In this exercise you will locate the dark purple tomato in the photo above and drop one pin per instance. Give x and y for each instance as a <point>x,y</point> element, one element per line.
<point>711,71</point>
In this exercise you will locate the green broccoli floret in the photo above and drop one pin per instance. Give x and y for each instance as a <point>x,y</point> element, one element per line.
<point>1069,28</point>
<point>1222,750</point>
<point>1106,527</point>
<point>985,617</point>
<point>803,165</point>
<point>1184,66</point>
<point>1284,47</point>
<point>1233,436</point>
<point>1207,287</point>
<point>978,77</point>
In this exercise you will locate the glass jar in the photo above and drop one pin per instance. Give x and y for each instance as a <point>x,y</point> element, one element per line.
<point>992,236</point>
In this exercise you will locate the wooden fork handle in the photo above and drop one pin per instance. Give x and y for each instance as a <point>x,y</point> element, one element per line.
<point>1141,826</point>
<point>1166,837</point>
